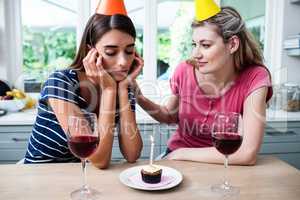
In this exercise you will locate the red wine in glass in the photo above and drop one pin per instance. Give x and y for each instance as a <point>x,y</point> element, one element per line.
<point>83,146</point>
<point>227,136</point>
<point>227,143</point>
<point>83,139</point>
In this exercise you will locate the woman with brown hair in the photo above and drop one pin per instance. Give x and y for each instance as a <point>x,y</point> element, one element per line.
<point>98,81</point>
<point>225,74</point>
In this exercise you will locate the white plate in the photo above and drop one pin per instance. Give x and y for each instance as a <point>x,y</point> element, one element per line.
<point>166,171</point>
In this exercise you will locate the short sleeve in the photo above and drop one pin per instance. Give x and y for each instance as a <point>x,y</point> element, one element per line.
<point>59,86</point>
<point>259,77</point>
<point>176,79</point>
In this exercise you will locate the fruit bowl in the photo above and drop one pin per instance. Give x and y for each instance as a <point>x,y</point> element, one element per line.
<point>13,105</point>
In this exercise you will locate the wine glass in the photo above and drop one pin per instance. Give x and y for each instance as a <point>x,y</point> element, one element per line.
<point>83,139</point>
<point>227,136</point>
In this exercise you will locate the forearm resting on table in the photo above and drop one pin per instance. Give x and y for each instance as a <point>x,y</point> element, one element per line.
<point>211,155</point>
<point>106,123</point>
<point>129,138</point>
<point>158,112</point>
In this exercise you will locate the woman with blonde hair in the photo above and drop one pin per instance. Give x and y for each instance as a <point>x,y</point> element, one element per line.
<point>225,74</point>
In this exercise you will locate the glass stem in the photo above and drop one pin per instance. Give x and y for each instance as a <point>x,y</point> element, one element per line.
<point>226,184</point>
<point>83,162</point>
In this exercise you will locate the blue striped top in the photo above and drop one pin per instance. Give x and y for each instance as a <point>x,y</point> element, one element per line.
<point>48,142</point>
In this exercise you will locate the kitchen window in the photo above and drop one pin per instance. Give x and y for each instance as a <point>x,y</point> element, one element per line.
<point>48,38</point>
<point>163,35</point>
<point>49,41</point>
<point>174,35</point>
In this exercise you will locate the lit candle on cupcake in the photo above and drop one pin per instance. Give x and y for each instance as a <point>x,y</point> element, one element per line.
<point>151,173</point>
<point>152,149</point>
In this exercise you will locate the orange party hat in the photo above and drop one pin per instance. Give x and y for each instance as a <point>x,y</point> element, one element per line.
<point>111,7</point>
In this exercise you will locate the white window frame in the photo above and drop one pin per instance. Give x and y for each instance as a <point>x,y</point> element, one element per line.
<point>84,12</point>
<point>274,38</point>
<point>13,40</point>
<point>13,33</point>
<point>149,43</point>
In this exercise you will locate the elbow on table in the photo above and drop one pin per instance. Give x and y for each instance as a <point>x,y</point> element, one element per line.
<point>101,165</point>
<point>133,157</point>
<point>131,160</point>
<point>249,158</point>
<point>251,161</point>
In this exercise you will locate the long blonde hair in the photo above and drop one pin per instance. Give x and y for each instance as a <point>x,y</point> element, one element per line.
<point>229,23</point>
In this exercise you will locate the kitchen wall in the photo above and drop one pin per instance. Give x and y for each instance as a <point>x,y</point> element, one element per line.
<point>282,19</point>
<point>291,26</point>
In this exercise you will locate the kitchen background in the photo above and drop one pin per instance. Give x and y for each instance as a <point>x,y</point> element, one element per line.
<point>39,36</point>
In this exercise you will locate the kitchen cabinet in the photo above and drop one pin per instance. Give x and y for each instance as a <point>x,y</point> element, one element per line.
<point>14,138</point>
<point>13,142</point>
<point>295,1</point>
<point>281,139</point>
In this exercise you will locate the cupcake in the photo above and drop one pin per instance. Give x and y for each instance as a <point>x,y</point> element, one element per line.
<point>151,174</point>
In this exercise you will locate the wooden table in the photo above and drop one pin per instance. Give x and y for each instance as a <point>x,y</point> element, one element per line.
<point>269,179</point>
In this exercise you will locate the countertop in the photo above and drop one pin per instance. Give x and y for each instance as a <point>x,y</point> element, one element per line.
<point>28,117</point>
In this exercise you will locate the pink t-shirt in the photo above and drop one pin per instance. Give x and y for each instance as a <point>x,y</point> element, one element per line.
<point>197,110</point>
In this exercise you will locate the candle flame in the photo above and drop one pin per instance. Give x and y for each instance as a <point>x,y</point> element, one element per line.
<point>151,138</point>
<point>152,149</point>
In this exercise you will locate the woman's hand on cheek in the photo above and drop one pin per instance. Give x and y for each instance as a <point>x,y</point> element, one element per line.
<point>137,67</point>
<point>89,64</point>
<point>95,72</point>
<point>106,81</point>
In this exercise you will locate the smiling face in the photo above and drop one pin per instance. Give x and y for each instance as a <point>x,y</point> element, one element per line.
<point>210,52</point>
<point>117,50</point>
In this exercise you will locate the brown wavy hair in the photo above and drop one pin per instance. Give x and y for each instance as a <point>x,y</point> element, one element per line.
<point>95,28</point>
<point>229,23</point>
